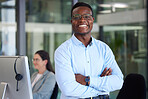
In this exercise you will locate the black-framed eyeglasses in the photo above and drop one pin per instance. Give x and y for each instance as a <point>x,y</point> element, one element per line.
<point>85,16</point>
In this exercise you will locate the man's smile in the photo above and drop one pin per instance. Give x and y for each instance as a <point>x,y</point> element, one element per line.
<point>82,25</point>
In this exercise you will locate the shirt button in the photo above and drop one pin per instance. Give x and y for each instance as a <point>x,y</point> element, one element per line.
<point>87,61</point>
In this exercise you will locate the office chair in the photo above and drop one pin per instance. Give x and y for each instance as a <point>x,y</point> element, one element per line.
<point>134,87</point>
<point>55,92</point>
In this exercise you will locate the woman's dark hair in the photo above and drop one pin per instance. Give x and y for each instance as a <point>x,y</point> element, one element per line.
<point>45,56</point>
<point>79,4</point>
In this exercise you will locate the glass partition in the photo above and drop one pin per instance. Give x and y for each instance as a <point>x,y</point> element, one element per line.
<point>129,45</point>
<point>47,26</point>
<point>7,28</point>
<point>113,6</point>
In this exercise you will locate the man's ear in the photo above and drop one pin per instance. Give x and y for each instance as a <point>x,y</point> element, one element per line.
<point>93,18</point>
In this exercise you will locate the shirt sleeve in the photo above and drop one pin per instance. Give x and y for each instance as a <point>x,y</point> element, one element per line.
<point>112,82</point>
<point>66,79</point>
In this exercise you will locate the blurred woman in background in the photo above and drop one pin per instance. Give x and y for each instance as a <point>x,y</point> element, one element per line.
<point>43,81</point>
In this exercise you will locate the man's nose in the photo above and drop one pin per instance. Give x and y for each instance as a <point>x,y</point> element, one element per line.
<point>82,18</point>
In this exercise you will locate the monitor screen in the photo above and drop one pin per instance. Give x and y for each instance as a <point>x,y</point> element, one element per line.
<point>9,67</point>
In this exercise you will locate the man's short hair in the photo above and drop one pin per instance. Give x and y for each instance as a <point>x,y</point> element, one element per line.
<point>79,4</point>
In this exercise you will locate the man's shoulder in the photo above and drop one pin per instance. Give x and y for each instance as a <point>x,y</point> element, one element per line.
<point>99,42</point>
<point>65,45</point>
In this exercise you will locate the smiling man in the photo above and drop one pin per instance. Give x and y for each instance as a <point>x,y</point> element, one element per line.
<point>85,67</point>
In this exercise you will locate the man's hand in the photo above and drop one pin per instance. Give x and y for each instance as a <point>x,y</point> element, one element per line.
<point>80,79</point>
<point>106,72</point>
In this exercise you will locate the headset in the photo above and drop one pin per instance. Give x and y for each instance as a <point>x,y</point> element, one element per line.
<point>18,76</point>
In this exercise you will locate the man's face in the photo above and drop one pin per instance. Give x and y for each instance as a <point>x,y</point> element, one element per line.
<point>82,20</point>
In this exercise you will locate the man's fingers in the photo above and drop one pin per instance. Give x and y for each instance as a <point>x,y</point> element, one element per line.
<point>109,71</point>
<point>106,72</point>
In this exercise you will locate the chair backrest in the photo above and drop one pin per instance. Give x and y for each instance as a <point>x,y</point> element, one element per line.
<point>55,92</point>
<point>134,87</point>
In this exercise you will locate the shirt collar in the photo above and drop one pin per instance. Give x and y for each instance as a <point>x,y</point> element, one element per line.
<point>77,42</point>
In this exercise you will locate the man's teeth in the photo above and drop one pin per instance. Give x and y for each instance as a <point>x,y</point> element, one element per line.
<point>82,25</point>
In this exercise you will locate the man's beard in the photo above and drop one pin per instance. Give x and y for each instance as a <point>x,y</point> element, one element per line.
<point>82,33</point>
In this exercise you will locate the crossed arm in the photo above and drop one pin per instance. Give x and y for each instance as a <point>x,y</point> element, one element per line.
<point>81,78</point>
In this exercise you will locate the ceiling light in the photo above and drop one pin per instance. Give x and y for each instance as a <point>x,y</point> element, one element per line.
<point>115,5</point>
<point>105,5</point>
<point>119,5</point>
<point>105,11</point>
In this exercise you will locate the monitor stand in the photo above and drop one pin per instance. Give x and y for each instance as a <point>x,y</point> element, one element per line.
<point>3,87</point>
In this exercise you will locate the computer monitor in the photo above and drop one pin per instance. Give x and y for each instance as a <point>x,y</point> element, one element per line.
<point>10,87</point>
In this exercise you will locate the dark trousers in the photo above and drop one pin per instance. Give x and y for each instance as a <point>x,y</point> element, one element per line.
<point>99,97</point>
